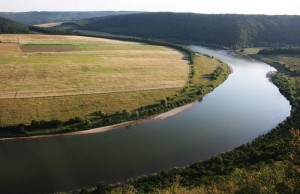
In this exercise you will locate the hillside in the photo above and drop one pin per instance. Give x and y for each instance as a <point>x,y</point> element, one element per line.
<point>227,30</point>
<point>34,17</point>
<point>8,26</point>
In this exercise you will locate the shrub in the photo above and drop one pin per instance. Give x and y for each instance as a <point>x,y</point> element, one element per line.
<point>163,103</point>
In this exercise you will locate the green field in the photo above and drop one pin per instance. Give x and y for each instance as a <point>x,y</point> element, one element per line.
<point>47,47</point>
<point>290,64</point>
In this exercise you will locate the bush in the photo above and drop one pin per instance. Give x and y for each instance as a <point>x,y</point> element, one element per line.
<point>35,124</point>
<point>163,103</point>
<point>199,92</point>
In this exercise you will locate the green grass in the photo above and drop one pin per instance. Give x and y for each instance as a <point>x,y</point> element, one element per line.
<point>205,66</point>
<point>290,61</point>
<point>96,33</point>
<point>289,65</point>
<point>47,47</point>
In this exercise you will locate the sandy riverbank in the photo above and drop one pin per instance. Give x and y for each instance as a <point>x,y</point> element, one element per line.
<point>111,127</point>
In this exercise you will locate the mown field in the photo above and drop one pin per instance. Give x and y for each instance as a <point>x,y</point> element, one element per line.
<point>48,25</point>
<point>60,77</point>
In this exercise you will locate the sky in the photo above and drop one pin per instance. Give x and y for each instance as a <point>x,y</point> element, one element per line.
<point>269,7</point>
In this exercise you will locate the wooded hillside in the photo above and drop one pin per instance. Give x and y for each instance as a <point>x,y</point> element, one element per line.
<point>8,26</point>
<point>227,30</point>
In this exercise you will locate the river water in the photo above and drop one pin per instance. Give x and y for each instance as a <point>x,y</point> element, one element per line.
<point>245,106</point>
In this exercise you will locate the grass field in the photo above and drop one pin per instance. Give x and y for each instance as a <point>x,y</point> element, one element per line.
<point>47,47</point>
<point>251,51</point>
<point>290,61</point>
<point>58,77</point>
<point>292,64</point>
<point>204,67</point>
<point>94,66</point>
<point>48,25</point>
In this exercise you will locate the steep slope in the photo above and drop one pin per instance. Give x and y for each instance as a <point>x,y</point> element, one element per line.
<point>8,26</point>
<point>227,30</point>
<point>34,17</point>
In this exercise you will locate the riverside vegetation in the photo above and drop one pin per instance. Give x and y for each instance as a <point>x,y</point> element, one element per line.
<point>85,103</point>
<point>268,164</point>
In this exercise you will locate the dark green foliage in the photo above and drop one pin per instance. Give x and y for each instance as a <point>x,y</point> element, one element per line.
<point>126,114</point>
<point>8,26</point>
<point>52,31</point>
<point>68,26</point>
<point>281,80</point>
<point>21,128</point>
<point>102,188</point>
<point>216,73</point>
<point>50,124</point>
<point>35,124</point>
<point>163,103</point>
<point>280,51</point>
<point>135,115</point>
<point>34,17</point>
<point>227,30</point>
<point>199,92</point>
<point>84,191</point>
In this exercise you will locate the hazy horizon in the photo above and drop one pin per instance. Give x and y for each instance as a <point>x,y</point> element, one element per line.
<point>265,7</point>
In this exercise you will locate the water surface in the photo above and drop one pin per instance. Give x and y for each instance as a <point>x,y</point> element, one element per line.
<point>245,106</point>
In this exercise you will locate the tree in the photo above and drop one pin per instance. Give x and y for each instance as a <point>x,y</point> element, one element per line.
<point>164,103</point>
<point>126,114</point>
<point>199,92</point>
<point>35,124</point>
<point>55,123</point>
<point>102,188</point>
<point>88,123</point>
<point>136,114</point>
<point>21,128</point>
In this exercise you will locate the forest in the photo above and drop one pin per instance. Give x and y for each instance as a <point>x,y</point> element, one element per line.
<point>40,17</point>
<point>8,26</point>
<point>229,30</point>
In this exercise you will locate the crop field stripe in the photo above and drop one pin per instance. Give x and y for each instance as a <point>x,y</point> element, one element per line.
<point>47,47</point>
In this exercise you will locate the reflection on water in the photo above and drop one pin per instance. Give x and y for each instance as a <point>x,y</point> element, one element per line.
<point>243,107</point>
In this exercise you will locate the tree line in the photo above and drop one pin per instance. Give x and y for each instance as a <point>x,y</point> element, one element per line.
<point>280,51</point>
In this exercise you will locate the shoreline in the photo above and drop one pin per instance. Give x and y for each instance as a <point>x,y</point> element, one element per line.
<point>161,116</point>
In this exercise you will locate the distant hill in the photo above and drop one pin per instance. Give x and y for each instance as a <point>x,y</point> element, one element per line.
<point>222,29</point>
<point>33,18</point>
<point>11,27</point>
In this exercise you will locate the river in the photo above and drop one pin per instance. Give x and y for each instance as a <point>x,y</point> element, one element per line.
<point>245,106</point>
